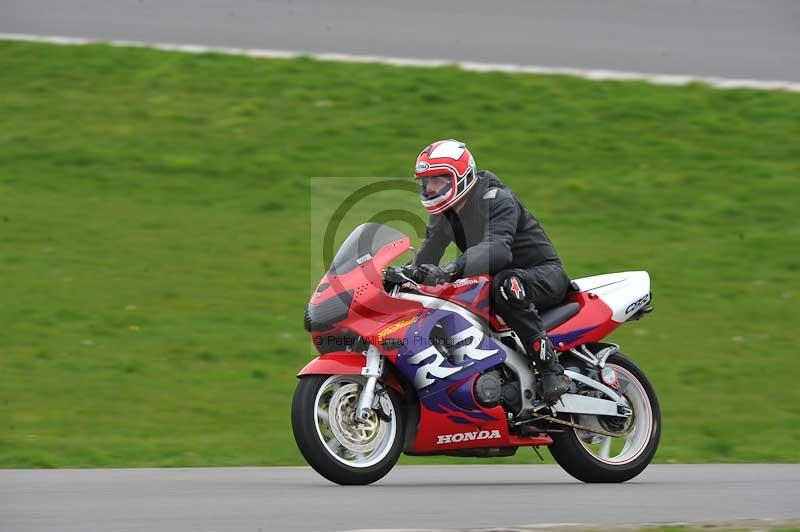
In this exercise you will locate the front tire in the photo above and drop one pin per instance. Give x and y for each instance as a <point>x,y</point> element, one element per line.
<point>339,449</point>
<point>591,457</point>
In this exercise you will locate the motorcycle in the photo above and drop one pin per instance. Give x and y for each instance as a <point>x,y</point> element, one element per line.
<point>431,370</point>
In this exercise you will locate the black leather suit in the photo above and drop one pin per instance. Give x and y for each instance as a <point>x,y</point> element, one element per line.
<point>499,236</point>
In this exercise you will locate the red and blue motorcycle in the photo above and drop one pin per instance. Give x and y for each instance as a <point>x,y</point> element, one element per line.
<point>421,370</point>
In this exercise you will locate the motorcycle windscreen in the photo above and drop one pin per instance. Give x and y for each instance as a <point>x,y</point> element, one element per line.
<point>361,246</point>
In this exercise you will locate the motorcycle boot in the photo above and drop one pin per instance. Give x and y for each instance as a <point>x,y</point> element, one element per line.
<point>515,300</point>
<point>554,382</point>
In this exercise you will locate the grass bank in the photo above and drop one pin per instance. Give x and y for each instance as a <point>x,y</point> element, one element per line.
<point>155,222</point>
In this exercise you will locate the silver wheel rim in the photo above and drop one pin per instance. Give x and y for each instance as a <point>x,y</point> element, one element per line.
<point>635,434</point>
<point>357,445</point>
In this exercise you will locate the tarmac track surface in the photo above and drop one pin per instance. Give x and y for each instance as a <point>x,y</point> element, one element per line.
<point>412,497</point>
<point>754,39</point>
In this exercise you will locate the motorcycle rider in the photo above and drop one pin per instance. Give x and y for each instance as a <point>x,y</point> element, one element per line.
<point>497,235</point>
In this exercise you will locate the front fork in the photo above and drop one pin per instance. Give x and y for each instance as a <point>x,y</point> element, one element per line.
<point>372,371</point>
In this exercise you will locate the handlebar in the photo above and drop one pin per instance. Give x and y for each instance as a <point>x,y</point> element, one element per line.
<point>400,275</point>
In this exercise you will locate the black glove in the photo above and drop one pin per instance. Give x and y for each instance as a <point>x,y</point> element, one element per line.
<point>402,274</point>
<point>453,269</point>
<point>395,275</point>
<point>431,275</point>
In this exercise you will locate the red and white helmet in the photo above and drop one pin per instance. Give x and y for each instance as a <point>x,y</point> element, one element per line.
<point>449,158</point>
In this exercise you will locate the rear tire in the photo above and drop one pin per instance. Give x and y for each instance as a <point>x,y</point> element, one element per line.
<point>338,449</point>
<point>574,451</point>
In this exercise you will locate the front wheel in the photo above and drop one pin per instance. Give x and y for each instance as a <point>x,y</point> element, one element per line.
<point>592,457</point>
<point>338,448</point>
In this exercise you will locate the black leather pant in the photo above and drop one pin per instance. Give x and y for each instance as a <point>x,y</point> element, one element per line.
<point>518,296</point>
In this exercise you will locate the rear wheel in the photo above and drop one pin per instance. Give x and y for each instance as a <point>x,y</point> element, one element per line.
<point>338,448</point>
<point>592,457</point>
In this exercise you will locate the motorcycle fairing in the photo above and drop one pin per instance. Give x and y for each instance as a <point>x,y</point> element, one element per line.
<point>591,324</point>
<point>351,296</point>
<point>346,363</point>
<point>441,355</point>
<point>435,376</point>
<point>472,293</point>
<point>437,434</point>
<point>624,292</point>
<point>337,363</point>
<point>606,301</point>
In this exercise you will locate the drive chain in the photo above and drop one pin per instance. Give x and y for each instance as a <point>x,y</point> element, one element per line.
<point>575,425</point>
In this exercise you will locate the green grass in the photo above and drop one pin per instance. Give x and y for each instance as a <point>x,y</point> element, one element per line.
<point>155,239</point>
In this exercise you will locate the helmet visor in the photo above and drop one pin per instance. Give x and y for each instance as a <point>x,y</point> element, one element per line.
<point>435,187</point>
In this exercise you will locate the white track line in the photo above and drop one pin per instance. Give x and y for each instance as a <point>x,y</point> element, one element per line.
<point>591,74</point>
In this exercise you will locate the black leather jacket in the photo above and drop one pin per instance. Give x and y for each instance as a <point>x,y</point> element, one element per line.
<point>493,230</point>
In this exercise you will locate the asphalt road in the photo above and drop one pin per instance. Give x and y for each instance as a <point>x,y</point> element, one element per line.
<point>424,497</point>
<point>756,39</point>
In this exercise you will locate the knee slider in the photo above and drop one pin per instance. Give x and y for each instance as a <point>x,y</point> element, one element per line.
<point>509,290</point>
